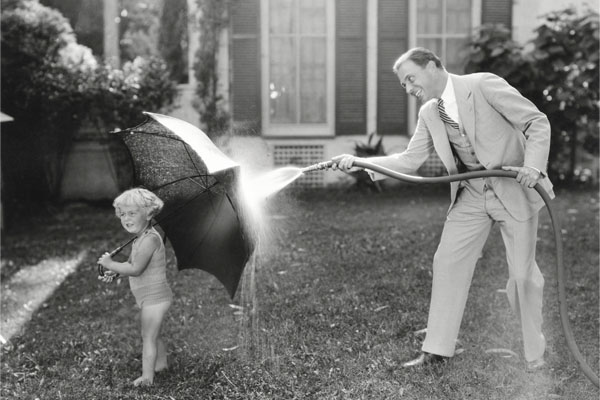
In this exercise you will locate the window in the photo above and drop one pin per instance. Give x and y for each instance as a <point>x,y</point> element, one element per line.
<point>297,67</point>
<point>445,27</point>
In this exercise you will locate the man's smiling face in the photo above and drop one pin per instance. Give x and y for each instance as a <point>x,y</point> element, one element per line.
<point>418,81</point>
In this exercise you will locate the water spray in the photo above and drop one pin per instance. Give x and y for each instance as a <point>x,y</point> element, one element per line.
<point>560,270</point>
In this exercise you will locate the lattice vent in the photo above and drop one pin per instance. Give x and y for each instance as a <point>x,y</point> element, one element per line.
<point>433,167</point>
<point>301,156</point>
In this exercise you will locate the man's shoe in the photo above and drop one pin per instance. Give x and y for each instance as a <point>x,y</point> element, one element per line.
<point>536,365</point>
<point>425,359</point>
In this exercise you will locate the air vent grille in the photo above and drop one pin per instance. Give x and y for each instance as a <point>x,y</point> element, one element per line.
<point>301,156</point>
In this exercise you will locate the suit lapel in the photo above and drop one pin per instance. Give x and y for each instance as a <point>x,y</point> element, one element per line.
<point>464,101</point>
<point>440,140</point>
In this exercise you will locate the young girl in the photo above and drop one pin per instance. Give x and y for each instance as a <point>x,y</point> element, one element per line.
<point>146,269</point>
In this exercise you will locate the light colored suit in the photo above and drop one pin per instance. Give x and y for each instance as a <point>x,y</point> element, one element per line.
<point>505,129</point>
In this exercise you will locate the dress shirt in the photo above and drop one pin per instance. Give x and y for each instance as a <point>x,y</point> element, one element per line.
<point>449,99</point>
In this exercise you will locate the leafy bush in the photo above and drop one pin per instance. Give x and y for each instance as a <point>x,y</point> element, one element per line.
<point>566,58</point>
<point>493,50</point>
<point>116,98</point>
<point>560,75</point>
<point>209,103</point>
<point>172,38</point>
<point>369,149</point>
<point>42,70</point>
<point>50,85</point>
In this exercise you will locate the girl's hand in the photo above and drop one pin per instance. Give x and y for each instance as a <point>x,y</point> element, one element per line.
<point>105,259</point>
<point>108,276</point>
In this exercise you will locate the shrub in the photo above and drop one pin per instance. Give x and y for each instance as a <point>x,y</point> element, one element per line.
<point>209,103</point>
<point>369,149</point>
<point>43,68</point>
<point>560,75</point>
<point>50,85</point>
<point>493,50</point>
<point>116,98</point>
<point>566,58</point>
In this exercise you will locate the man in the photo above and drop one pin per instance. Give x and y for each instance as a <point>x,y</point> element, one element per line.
<point>476,122</point>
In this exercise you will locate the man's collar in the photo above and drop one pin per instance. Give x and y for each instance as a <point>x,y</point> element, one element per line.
<point>448,94</point>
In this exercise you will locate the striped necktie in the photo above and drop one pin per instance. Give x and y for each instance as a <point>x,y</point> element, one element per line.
<point>444,116</point>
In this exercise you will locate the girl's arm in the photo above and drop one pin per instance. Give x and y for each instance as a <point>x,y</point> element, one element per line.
<point>148,244</point>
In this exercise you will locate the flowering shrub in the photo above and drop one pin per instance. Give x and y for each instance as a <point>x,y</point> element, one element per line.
<point>50,85</point>
<point>559,74</point>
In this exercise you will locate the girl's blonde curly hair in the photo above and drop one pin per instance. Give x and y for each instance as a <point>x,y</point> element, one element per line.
<point>140,197</point>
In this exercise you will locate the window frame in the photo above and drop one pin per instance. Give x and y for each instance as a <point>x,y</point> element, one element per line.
<point>413,37</point>
<point>270,129</point>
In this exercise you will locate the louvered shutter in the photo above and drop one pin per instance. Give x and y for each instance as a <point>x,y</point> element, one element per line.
<point>245,60</point>
<point>351,67</point>
<point>392,101</point>
<point>497,12</point>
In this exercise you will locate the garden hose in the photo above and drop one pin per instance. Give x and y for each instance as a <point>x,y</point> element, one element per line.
<point>560,270</point>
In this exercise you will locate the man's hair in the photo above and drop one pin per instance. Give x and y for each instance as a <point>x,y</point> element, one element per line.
<point>420,56</point>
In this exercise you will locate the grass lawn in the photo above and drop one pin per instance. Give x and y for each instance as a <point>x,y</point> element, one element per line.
<point>329,309</point>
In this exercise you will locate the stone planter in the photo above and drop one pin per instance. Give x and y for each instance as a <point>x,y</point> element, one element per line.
<point>96,169</point>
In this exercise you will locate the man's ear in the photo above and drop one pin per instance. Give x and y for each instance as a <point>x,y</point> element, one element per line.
<point>431,65</point>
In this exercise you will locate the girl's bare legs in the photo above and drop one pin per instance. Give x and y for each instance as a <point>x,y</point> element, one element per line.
<point>161,356</point>
<point>152,317</point>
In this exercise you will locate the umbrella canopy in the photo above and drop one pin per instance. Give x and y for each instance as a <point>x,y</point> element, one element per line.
<point>5,117</point>
<point>197,182</point>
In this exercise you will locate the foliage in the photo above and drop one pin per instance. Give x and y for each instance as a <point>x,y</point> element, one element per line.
<point>212,20</point>
<point>493,50</point>
<point>173,38</point>
<point>50,85</point>
<point>86,18</point>
<point>340,288</point>
<point>139,25</point>
<point>566,58</point>
<point>560,75</point>
<point>43,69</point>
<point>368,149</point>
<point>116,98</point>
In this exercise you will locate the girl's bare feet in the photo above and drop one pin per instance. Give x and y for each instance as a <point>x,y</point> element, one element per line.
<point>143,381</point>
<point>160,365</point>
<point>161,356</point>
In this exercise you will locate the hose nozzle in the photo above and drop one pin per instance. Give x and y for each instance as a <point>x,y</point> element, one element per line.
<point>318,166</point>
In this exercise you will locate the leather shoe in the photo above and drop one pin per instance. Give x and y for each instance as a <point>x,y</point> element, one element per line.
<point>425,359</point>
<point>536,365</point>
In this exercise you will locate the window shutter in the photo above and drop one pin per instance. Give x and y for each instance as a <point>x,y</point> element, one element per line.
<point>497,12</point>
<point>392,102</point>
<point>245,63</point>
<point>351,67</point>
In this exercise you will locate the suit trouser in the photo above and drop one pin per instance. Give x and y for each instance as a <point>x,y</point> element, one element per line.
<point>465,232</point>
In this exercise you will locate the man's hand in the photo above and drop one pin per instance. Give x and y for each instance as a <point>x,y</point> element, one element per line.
<point>345,162</point>
<point>526,176</point>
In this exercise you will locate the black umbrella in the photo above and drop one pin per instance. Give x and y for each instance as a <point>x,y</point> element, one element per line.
<point>198,184</point>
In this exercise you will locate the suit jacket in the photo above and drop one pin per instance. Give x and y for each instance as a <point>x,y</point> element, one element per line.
<point>504,128</point>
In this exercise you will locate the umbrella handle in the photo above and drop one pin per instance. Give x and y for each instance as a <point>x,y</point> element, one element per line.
<point>102,270</point>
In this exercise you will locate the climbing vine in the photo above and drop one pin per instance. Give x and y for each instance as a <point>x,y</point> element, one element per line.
<point>212,19</point>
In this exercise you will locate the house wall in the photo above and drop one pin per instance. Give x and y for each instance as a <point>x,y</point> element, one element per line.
<point>258,154</point>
